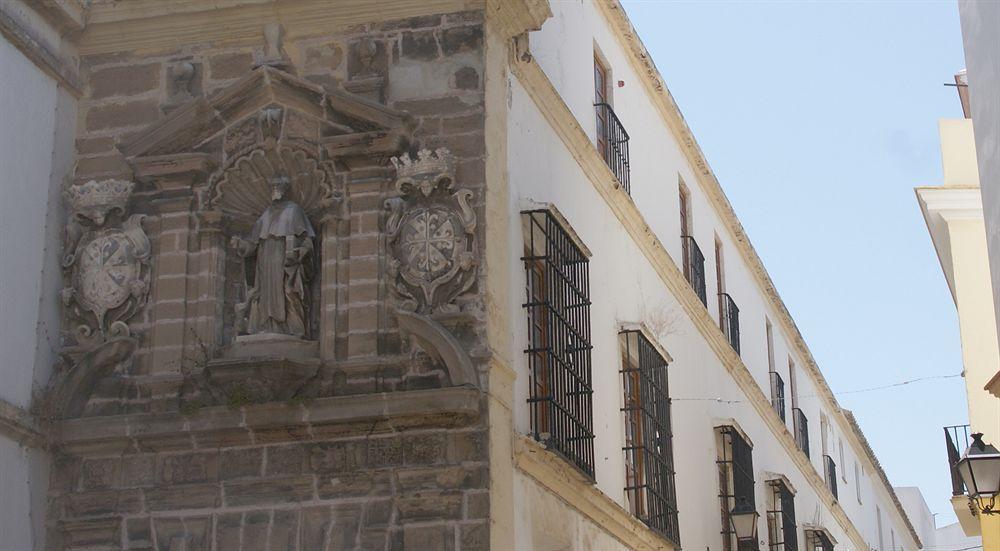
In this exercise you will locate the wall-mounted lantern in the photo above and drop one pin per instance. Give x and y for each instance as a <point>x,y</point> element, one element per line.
<point>980,471</point>
<point>744,518</point>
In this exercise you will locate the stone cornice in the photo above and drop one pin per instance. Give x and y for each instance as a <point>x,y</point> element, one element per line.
<point>65,15</point>
<point>520,16</point>
<point>21,426</point>
<point>212,426</point>
<point>157,24</point>
<point>548,101</point>
<point>43,54</point>
<point>661,97</point>
<point>571,486</point>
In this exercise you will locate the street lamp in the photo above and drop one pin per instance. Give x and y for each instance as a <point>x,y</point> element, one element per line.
<point>980,471</point>
<point>744,519</point>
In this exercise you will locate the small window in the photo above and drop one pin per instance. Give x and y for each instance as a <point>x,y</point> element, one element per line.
<point>601,94</point>
<point>649,457</point>
<point>843,464</point>
<point>692,257</point>
<point>558,312</point>
<point>685,209</point>
<point>878,520</point>
<point>735,466</point>
<point>777,383</point>
<point>857,482</point>
<point>781,531</point>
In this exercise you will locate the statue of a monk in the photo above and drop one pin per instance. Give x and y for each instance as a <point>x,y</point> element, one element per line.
<point>276,253</point>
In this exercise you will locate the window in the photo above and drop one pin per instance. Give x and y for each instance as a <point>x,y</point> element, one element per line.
<point>800,424</point>
<point>729,314</point>
<point>694,260</point>
<point>558,311</point>
<point>781,532</point>
<point>777,384</point>
<point>649,459</point>
<point>611,137</point>
<point>735,465</point>
<point>818,540</point>
<point>857,482</point>
<point>843,472</point>
<point>601,94</point>
<point>878,520</point>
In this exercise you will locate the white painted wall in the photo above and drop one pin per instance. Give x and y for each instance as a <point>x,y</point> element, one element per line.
<point>624,288</point>
<point>36,154</point>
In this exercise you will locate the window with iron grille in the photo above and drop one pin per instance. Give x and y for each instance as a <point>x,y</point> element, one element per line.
<point>694,267</point>
<point>649,456</point>
<point>800,429</point>
<point>818,540</point>
<point>778,394</point>
<point>830,474</point>
<point>559,349</point>
<point>735,465</point>
<point>612,139</point>
<point>729,320</point>
<point>781,530</point>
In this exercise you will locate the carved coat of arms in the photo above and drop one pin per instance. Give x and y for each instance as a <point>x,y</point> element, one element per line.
<point>430,230</point>
<point>106,260</point>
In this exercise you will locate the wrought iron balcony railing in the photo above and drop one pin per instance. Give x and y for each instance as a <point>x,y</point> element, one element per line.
<point>956,441</point>
<point>778,394</point>
<point>830,474</point>
<point>730,320</point>
<point>800,429</point>
<point>612,142</point>
<point>694,267</point>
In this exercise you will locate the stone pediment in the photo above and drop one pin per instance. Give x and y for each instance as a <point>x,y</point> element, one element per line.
<point>341,122</point>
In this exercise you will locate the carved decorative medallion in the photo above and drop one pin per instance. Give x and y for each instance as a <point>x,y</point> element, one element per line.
<point>107,260</point>
<point>430,231</point>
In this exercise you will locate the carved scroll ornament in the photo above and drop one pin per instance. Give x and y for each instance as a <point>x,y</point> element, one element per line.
<point>430,231</point>
<point>106,261</point>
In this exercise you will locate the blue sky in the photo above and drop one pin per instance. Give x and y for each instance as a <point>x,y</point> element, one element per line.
<point>819,118</point>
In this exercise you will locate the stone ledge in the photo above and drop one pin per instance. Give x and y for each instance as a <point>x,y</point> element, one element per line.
<point>224,426</point>
<point>20,426</point>
<point>553,473</point>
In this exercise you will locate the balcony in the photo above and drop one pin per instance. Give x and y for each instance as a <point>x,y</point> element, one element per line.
<point>694,267</point>
<point>778,395</point>
<point>612,142</point>
<point>830,475</point>
<point>956,441</point>
<point>729,320</point>
<point>800,429</point>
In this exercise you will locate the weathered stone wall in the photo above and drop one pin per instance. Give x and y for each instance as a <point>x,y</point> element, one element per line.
<point>245,463</point>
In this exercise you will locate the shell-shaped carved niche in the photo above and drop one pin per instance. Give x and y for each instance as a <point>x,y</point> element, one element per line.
<point>243,190</point>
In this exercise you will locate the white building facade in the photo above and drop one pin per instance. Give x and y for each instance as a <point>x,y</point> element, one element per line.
<point>642,381</point>
<point>723,378</point>
<point>38,91</point>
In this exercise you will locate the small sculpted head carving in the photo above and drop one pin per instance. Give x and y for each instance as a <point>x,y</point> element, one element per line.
<point>279,188</point>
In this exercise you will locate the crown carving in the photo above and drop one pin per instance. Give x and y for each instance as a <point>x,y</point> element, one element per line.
<point>429,169</point>
<point>95,199</point>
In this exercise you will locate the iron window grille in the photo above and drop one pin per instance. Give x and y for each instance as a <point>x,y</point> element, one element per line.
<point>781,530</point>
<point>612,141</point>
<point>956,440</point>
<point>801,430</point>
<point>730,320</point>
<point>817,540</point>
<point>830,474</point>
<point>649,457</point>
<point>559,349</point>
<point>694,267</point>
<point>735,465</point>
<point>778,395</point>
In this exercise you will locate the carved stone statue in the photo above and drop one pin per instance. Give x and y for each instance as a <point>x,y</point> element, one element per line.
<point>277,254</point>
<point>106,261</point>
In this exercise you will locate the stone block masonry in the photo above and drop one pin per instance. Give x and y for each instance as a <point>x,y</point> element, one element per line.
<point>355,438</point>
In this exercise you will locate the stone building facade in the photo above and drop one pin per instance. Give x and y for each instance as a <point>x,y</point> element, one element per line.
<point>292,288</point>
